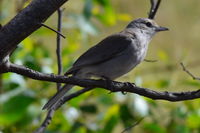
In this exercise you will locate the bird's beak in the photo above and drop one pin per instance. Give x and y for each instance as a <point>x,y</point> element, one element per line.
<point>161,29</point>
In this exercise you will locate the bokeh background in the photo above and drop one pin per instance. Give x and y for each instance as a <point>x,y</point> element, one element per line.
<point>86,22</point>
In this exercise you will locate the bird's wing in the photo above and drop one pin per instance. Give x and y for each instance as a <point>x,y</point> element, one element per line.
<point>104,50</point>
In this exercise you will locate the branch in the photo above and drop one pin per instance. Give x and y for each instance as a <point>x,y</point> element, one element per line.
<point>25,23</point>
<point>132,126</point>
<point>152,61</point>
<point>188,72</point>
<point>116,86</point>
<point>46,122</point>
<point>154,8</point>
<point>58,50</point>
<point>58,32</point>
<point>50,113</point>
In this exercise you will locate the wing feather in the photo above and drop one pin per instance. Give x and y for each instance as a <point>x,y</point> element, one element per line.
<point>104,50</point>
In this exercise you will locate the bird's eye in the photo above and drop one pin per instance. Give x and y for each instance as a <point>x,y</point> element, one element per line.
<point>148,24</point>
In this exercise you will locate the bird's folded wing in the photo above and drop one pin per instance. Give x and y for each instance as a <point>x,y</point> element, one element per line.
<point>104,50</point>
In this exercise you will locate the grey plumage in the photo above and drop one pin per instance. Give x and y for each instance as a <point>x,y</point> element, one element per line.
<point>114,56</point>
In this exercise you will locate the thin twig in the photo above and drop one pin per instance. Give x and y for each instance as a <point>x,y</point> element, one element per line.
<point>135,124</point>
<point>58,50</point>
<point>154,8</point>
<point>46,122</point>
<point>188,72</point>
<point>50,113</point>
<point>52,30</point>
<point>147,60</point>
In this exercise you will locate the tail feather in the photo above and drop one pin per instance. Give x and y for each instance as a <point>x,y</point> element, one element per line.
<point>56,98</point>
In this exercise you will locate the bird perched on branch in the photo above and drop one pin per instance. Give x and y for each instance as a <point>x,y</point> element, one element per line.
<point>114,56</point>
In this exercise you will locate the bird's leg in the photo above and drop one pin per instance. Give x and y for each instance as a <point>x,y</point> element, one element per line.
<point>128,84</point>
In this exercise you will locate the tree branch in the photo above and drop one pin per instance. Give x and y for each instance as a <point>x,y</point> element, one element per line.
<point>116,86</point>
<point>50,113</point>
<point>58,32</point>
<point>188,72</point>
<point>58,50</point>
<point>152,61</point>
<point>46,122</point>
<point>154,7</point>
<point>132,126</point>
<point>25,23</point>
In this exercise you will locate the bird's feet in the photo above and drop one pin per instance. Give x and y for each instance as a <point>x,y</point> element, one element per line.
<point>128,84</point>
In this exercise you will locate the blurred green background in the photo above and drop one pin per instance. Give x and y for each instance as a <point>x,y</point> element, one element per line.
<point>86,22</point>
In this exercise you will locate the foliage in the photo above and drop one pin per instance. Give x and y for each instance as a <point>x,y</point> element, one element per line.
<point>21,99</point>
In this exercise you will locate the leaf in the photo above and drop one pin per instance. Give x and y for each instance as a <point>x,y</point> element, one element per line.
<point>107,15</point>
<point>106,99</point>
<point>14,109</point>
<point>182,129</point>
<point>126,115</point>
<point>89,108</point>
<point>154,128</point>
<point>193,121</point>
<point>110,124</point>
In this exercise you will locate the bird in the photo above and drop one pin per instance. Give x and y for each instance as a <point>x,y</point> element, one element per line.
<point>114,56</point>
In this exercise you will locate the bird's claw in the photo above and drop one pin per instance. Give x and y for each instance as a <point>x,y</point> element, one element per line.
<point>128,84</point>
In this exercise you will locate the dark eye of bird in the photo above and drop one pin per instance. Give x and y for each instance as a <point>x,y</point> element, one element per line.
<point>148,24</point>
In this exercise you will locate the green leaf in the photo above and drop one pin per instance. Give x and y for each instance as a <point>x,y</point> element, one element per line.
<point>154,128</point>
<point>182,129</point>
<point>126,115</point>
<point>193,121</point>
<point>89,108</point>
<point>14,109</point>
<point>110,124</point>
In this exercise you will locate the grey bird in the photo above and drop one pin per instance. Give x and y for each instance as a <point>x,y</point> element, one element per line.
<point>114,56</point>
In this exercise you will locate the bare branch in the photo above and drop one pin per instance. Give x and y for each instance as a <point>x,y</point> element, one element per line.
<point>60,34</point>
<point>147,60</point>
<point>128,87</point>
<point>46,122</point>
<point>116,86</point>
<point>50,113</point>
<point>188,72</point>
<point>25,23</point>
<point>58,50</point>
<point>135,124</point>
<point>154,8</point>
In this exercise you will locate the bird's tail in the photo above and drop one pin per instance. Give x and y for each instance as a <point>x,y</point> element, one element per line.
<point>57,97</point>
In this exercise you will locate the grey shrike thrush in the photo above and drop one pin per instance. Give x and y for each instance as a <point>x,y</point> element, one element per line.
<point>114,56</point>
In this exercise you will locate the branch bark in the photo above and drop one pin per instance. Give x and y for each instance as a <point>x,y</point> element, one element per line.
<point>113,86</point>
<point>59,45</point>
<point>25,23</point>
<point>50,113</point>
<point>188,72</point>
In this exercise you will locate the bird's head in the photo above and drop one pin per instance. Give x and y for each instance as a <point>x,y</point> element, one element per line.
<point>146,26</point>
